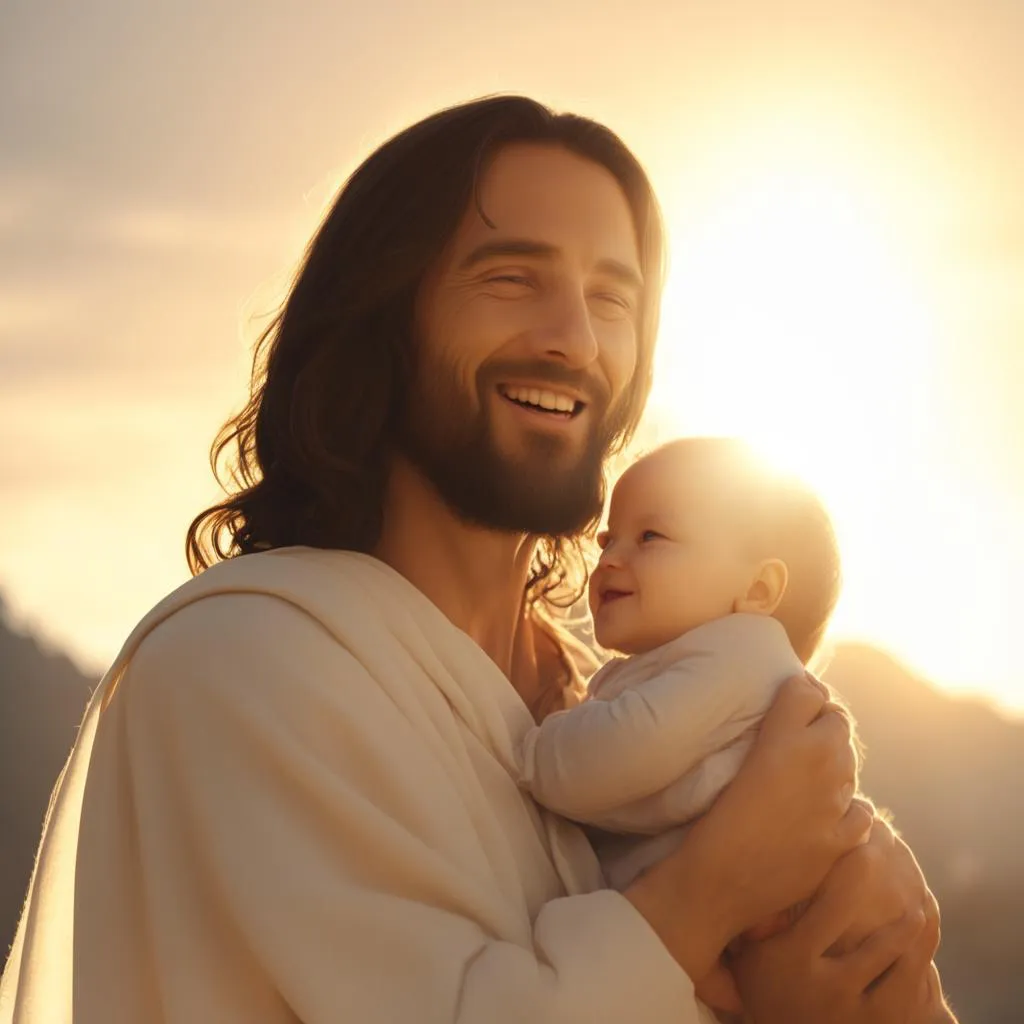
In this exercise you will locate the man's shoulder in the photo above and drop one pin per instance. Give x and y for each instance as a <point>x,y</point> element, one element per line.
<point>274,606</point>
<point>246,662</point>
<point>299,576</point>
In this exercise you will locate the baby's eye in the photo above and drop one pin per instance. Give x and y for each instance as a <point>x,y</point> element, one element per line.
<point>650,535</point>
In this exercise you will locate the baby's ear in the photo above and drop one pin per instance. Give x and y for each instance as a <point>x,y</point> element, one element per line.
<point>766,589</point>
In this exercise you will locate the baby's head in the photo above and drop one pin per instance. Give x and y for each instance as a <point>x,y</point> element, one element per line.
<point>699,529</point>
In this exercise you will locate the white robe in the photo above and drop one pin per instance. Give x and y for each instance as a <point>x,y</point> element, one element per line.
<point>659,738</point>
<point>296,797</point>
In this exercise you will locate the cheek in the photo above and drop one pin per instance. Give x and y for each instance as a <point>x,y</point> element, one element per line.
<point>655,575</point>
<point>619,355</point>
<point>673,584</point>
<point>461,335</point>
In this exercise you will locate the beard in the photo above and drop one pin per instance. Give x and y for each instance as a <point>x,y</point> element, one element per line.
<point>450,439</point>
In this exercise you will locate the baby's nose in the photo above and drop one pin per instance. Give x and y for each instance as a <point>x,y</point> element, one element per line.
<point>610,556</point>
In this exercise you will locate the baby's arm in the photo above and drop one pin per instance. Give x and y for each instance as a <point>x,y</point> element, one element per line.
<point>591,761</point>
<point>691,794</point>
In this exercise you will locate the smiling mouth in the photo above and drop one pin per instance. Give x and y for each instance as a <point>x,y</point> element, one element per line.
<point>542,401</point>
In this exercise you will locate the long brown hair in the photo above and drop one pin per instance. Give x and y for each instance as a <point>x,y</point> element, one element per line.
<point>305,461</point>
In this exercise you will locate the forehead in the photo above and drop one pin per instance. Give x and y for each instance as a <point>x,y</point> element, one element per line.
<point>666,483</point>
<point>548,194</point>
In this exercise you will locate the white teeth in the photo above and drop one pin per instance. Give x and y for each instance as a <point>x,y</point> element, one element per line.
<point>543,399</point>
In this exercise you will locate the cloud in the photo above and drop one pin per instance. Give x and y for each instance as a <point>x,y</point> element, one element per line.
<point>152,228</point>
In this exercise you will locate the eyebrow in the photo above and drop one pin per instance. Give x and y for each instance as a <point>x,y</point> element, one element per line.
<point>545,250</point>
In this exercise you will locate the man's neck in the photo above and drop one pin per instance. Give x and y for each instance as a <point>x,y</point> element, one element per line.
<point>476,577</point>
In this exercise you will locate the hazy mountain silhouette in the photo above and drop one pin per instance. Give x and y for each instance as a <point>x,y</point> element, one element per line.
<point>42,699</point>
<point>948,769</point>
<point>951,771</point>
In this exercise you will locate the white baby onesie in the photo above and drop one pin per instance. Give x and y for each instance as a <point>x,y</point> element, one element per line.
<point>659,737</point>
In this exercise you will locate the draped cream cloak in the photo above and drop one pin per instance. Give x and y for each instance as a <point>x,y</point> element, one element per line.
<point>296,796</point>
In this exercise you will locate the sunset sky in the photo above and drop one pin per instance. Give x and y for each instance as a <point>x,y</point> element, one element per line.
<point>842,186</point>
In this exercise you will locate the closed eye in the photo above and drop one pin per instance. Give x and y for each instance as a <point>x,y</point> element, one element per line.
<point>511,279</point>
<point>614,298</point>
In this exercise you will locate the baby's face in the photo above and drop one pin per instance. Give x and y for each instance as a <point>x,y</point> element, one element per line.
<point>671,558</point>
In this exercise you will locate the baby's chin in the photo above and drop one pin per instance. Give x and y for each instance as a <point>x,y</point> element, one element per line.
<point>621,628</point>
<point>622,642</point>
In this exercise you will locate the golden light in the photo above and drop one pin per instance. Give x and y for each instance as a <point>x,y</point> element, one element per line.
<point>797,316</point>
<point>792,319</point>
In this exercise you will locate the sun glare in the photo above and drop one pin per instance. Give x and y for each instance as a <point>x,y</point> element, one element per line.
<point>796,317</point>
<point>791,319</point>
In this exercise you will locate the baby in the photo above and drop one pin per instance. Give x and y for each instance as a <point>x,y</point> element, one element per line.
<point>717,579</point>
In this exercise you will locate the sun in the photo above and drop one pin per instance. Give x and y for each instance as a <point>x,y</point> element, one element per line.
<point>791,318</point>
<point>795,317</point>
<point>798,317</point>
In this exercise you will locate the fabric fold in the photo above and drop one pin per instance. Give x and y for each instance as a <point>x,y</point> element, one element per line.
<point>295,797</point>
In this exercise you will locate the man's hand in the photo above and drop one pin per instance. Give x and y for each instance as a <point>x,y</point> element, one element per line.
<point>887,881</point>
<point>768,841</point>
<point>939,1012</point>
<point>790,980</point>
<point>782,823</point>
<point>718,990</point>
<point>862,952</point>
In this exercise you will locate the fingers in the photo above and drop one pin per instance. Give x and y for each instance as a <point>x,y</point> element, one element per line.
<point>857,825</point>
<point>718,990</point>
<point>816,682</point>
<point>797,703</point>
<point>803,702</point>
<point>868,806</point>
<point>835,724</point>
<point>932,925</point>
<point>908,982</point>
<point>832,911</point>
<point>837,771</point>
<point>877,834</point>
<point>901,944</point>
<point>851,897</point>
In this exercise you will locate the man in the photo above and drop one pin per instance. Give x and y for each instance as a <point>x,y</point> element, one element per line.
<point>296,794</point>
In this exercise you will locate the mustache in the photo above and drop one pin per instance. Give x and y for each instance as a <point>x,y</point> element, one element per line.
<point>595,390</point>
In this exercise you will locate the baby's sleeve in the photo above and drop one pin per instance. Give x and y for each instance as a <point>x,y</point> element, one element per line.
<point>592,762</point>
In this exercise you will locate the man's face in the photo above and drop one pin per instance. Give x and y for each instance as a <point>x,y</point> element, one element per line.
<point>526,342</point>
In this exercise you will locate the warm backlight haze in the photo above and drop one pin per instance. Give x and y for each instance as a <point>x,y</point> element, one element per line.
<point>805,313</point>
<point>846,286</point>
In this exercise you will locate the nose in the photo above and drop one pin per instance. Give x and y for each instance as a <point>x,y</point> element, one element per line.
<point>612,556</point>
<point>568,334</point>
